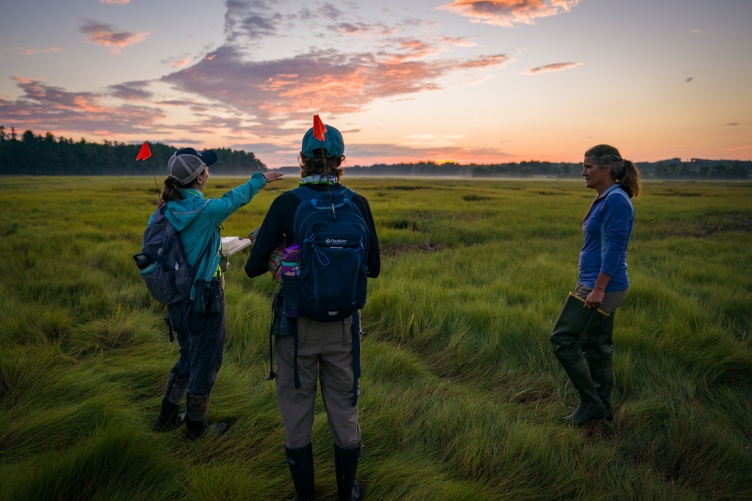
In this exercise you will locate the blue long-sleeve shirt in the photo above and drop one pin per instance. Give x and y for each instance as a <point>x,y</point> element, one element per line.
<point>607,229</point>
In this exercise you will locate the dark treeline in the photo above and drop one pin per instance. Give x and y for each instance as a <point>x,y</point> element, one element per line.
<point>665,169</point>
<point>50,156</point>
<point>46,155</point>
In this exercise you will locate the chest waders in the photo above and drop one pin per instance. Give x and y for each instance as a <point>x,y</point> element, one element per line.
<point>582,342</point>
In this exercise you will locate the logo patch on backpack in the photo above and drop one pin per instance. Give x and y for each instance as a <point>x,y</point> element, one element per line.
<point>162,262</point>
<point>332,234</point>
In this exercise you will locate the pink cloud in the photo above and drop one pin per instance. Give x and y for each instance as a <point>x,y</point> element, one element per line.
<point>508,12</point>
<point>182,62</point>
<point>459,42</point>
<point>49,50</point>
<point>278,91</point>
<point>106,35</point>
<point>44,107</point>
<point>116,2</point>
<point>553,67</point>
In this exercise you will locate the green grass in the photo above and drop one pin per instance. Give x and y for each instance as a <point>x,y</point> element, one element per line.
<point>461,394</point>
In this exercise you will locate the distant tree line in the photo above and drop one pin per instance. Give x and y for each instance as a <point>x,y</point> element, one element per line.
<point>46,155</point>
<point>666,169</point>
<point>34,154</point>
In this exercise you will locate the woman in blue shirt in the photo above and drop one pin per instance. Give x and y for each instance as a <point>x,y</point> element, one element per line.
<point>582,336</point>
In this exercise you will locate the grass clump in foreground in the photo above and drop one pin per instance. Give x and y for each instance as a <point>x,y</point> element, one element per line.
<point>461,395</point>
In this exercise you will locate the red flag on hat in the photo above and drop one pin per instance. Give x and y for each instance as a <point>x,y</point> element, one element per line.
<point>319,129</point>
<point>144,153</point>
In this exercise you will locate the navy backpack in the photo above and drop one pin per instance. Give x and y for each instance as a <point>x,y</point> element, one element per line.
<point>331,282</point>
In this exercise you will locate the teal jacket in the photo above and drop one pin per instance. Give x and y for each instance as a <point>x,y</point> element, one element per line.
<point>198,222</point>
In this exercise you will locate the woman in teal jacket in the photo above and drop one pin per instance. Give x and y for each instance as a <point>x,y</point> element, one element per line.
<point>200,320</point>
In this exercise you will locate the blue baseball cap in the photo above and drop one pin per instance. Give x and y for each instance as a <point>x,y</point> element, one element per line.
<point>332,143</point>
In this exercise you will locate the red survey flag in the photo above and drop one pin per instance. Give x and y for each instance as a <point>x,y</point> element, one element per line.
<point>319,129</point>
<point>145,152</point>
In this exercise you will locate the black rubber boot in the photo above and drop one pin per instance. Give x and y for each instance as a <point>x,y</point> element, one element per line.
<point>591,406</point>
<point>603,378</point>
<point>346,466</point>
<point>300,462</point>
<point>169,417</point>
<point>196,412</point>
<point>169,414</point>
<point>599,348</point>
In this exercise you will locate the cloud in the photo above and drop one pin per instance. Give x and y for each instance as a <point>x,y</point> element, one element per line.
<point>276,92</point>
<point>430,140</point>
<point>368,154</point>
<point>116,2</point>
<point>508,12</point>
<point>329,11</point>
<point>181,62</point>
<point>106,35</point>
<point>131,91</point>
<point>553,67</point>
<point>250,21</point>
<point>403,49</point>
<point>44,107</point>
<point>459,42</point>
<point>362,28</point>
<point>49,50</point>
<point>352,28</point>
<point>482,61</point>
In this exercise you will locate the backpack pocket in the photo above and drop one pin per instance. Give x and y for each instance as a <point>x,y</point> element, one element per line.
<point>331,286</point>
<point>282,324</point>
<point>159,281</point>
<point>335,287</point>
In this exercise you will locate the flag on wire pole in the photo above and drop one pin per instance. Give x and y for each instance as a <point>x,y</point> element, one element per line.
<point>144,154</point>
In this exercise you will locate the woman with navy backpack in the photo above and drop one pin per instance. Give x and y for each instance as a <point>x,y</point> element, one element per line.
<point>310,348</point>
<point>582,338</point>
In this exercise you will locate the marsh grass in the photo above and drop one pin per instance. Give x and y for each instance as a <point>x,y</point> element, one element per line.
<point>461,395</point>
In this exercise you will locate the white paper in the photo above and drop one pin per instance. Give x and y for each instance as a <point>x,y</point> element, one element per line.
<point>232,245</point>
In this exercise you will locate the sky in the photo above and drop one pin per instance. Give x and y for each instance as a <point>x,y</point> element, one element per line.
<point>467,81</point>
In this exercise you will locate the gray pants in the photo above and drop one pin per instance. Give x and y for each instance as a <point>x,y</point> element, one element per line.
<point>325,354</point>
<point>611,300</point>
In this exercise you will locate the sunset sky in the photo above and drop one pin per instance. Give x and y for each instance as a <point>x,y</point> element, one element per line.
<point>404,80</point>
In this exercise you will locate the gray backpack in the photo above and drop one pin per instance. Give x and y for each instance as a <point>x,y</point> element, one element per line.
<point>162,262</point>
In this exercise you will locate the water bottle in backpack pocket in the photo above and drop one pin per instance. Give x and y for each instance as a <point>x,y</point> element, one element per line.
<point>290,272</point>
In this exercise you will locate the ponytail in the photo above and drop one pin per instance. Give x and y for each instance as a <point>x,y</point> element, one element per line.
<point>171,190</point>
<point>629,179</point>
